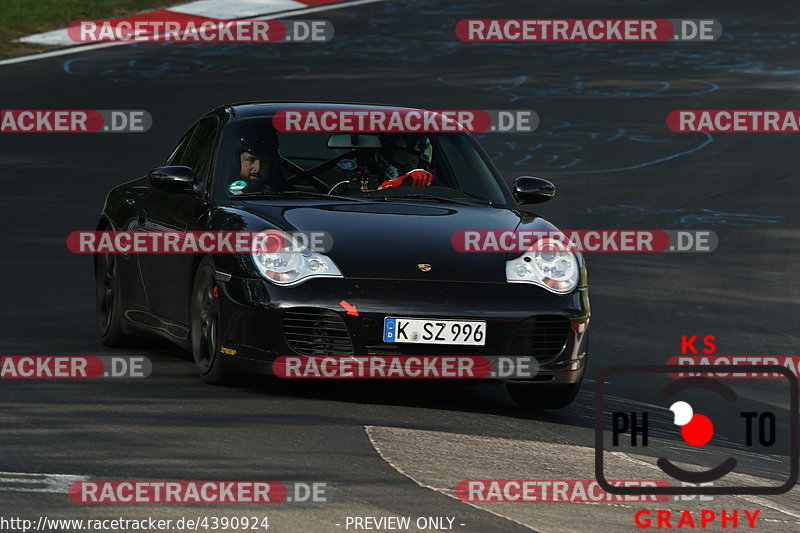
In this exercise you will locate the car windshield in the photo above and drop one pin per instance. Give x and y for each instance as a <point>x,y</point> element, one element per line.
<point>256,160</point>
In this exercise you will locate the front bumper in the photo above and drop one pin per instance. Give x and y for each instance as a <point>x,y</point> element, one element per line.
<point>261,321</point>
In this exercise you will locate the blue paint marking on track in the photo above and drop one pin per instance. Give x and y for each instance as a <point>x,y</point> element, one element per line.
<point>686,217</point>
<point>559,146</point>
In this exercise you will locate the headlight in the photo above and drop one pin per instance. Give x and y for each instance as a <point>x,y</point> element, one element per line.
<point>284,261</point>
<point>550,265</point>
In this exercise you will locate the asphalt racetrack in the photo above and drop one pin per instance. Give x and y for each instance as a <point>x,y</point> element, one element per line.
<point>390,449</point>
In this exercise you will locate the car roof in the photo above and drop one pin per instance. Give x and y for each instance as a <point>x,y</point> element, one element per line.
<point>267,109</point>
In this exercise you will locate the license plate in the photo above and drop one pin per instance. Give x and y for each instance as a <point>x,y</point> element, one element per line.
<point>434,331</point>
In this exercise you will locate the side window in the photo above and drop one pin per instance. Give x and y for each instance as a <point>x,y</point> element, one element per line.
<point>176,155</point>
<point>200,148</point>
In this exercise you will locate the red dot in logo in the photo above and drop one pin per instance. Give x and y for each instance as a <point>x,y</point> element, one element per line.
<point>698,431</point>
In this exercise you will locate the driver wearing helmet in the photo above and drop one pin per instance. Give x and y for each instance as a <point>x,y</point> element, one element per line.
<point>258,161</point>
<point>405,158</point>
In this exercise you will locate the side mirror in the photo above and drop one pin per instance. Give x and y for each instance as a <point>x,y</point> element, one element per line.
<point>530,190</point>
<point>172,178</point>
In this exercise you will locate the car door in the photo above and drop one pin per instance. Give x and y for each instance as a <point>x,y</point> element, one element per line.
<point>167,277</point>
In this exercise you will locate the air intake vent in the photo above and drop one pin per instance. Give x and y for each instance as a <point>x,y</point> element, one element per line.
<point>542,337</point>
<point>311,331</point>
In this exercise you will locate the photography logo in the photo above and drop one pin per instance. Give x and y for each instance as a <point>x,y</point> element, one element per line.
<point>700,420</point>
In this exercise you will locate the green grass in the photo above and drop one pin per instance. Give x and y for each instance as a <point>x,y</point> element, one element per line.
<point>19,18</point>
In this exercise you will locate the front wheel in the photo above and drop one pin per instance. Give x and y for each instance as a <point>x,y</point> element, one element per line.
<point>206,325</point>
<point>543,396</point>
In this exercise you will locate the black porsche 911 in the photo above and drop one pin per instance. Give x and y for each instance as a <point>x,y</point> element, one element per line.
<point>391,203</point>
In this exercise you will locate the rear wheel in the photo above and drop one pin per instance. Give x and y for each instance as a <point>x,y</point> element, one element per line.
<point>108,302</point>
<point>543,396</point>
<point>206,325</point>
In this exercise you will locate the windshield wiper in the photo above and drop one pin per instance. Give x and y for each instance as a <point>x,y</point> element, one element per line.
<point>431,198</point>
<point>297,194</point>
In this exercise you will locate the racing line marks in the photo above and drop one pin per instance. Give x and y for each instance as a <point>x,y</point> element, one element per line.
<point>27,482</point>
<point>433,459</point>
<point>372,434</point>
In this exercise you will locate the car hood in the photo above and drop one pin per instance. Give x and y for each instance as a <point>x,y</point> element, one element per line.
<point>396,240</point>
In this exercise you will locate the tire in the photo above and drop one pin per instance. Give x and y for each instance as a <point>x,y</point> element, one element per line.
<point>206,326</point>
<point>108,302</point>
<point>543,396</point>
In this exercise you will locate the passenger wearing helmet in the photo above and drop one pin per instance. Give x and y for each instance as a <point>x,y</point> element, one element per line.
<point>258,161</point>
<point>405,158</point>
